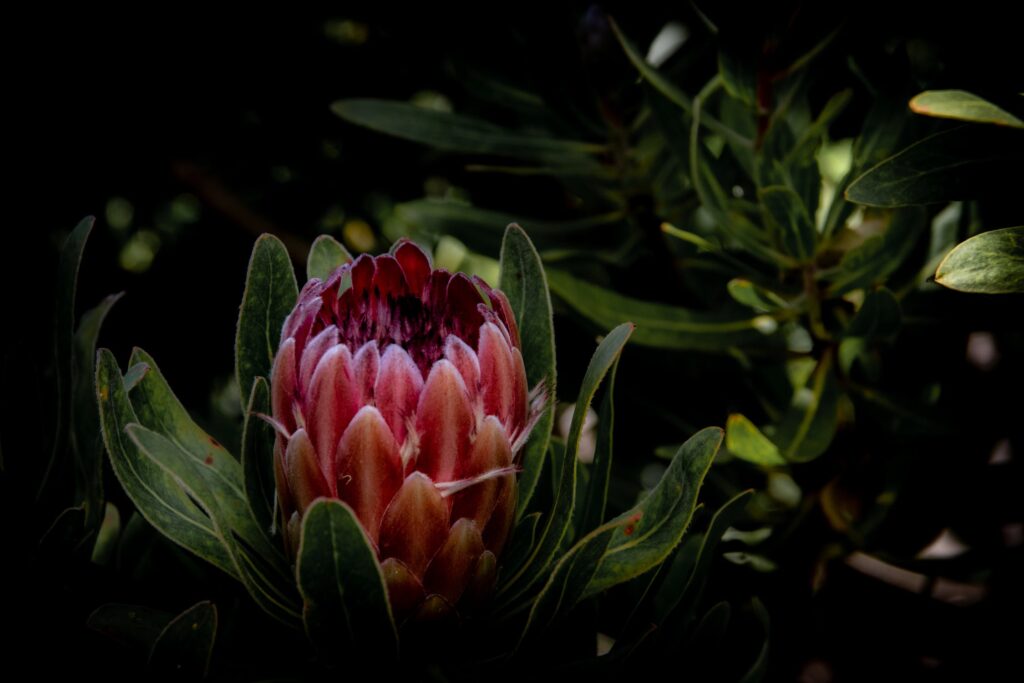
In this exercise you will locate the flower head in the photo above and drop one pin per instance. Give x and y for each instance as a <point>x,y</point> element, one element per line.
<point>401,390</point>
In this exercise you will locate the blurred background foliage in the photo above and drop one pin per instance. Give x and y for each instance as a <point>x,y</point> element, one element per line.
<point>684,167</point>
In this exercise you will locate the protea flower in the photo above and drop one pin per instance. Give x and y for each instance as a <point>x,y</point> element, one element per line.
<point>401,391</point>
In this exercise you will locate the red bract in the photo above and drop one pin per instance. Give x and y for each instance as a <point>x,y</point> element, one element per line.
<point>401,390</point>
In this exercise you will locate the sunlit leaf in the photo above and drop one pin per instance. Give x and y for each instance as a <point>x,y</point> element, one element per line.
<point>989,263</point>
<point>744,440</point>
<point>325,256</point>
<point>963,106</point>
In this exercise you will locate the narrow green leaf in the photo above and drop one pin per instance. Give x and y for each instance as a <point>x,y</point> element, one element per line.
<point>483,230</point>
<point>524,283</point>
<point>160,410</point>
<point>459,133</point>
<point>674,94</point>
<point>346,610</point>
<point>219,492</point>
<point>658,325</point>
<point>601,470</point>
<point>739,74</point>
<point>962,163</point>
<point>107,536</point>
<point>678,599</point>
<point>879,256</point>
<point>269,296</point>
<point>325,256</point>
<point>258,455</point>
<point>963,106</point>
<point>810,138</point>
<point>756,297</point>
<point>87,442</point>
<point>785,211</point>
<point>654,527</point>
<point>261,566</point>
<point>744,440</point>
<point>185,646</point>
<point>521,544</point>
<point>155,493</point>
<point>807,427</point>
<point>568,580</point>
<point>67,283</point>
<point>879,317</point>
<point>989,263</point>
<point>559,518</point>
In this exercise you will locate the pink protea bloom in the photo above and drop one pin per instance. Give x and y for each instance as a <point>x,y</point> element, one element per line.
<point>401,390</point>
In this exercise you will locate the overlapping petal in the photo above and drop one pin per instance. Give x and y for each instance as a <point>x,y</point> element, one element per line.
<point>401,390</point>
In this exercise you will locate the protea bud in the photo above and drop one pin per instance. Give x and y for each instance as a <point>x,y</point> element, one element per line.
<point>401,391</point>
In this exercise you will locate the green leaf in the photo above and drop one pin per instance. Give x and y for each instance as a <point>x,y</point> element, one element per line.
<point>325,256</point>
<point>483,229</point>
<point>67,283</point>
<point>558,519</point>
<point>569,580</point>
<point>524,283</point>
<point>657,325</point>
<point>678,598</point>
<point>879,256</point>
<point>269,296</point>
<point>963,106</point>
<point>785,211</point>
<point>656,525</point>
<point>756,297</point>
<point>155,492</point>
<point>346,606</point>
<point>134,375</point>
<point>459,133</point>
<point>87,442</point>
<point>674,94</point>
<point>807,427</point>
<point>261,566</point>
<point>597,491</point>
<point>879,317</point>
<point>744,440</point>
<point>522,542</point>
<point>258,455</point>
<point>107,536</point>
<point>962,163</point>
<point>739,74</point>
<point>989,263</point>
<point>212,479</point>
<point>185,645</point>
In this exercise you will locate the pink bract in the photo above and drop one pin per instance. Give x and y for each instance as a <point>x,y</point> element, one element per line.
<point>401,390</point>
